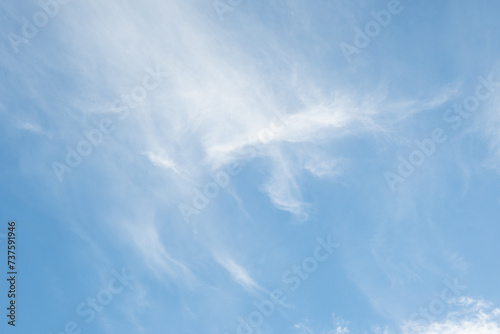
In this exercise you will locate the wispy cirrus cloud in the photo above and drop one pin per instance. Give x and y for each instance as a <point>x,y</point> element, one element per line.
<point>471,316</point>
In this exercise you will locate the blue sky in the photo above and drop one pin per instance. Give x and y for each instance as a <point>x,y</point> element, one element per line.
<point>326,167</point>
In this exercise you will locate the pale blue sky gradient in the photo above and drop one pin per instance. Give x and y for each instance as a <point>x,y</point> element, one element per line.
<point>334,127</point>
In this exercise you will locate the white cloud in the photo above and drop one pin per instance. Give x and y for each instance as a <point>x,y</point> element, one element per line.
<point>282,188</point>
<point>339,326</point>
<point>146,240</point>
<point>471,317</point>
<point>237,272</point>
<point>161,161</point>
<point>34,128</point>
